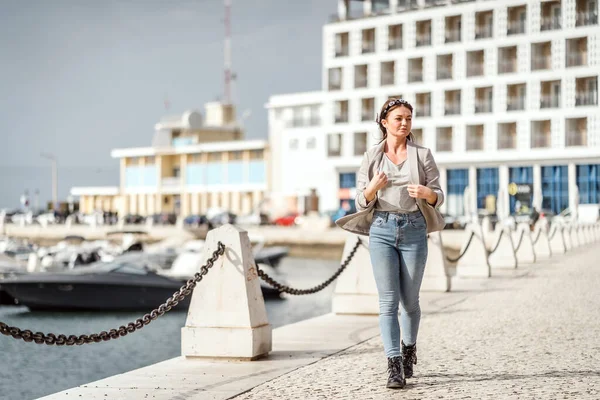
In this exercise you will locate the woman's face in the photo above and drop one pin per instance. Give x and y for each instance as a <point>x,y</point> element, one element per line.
<point>398,122</point>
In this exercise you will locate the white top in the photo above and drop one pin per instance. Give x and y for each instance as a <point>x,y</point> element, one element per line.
<point>394,196</point>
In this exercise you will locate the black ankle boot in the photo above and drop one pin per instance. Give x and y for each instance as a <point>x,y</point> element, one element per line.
<point>409,357</point>
<point>395,373</point>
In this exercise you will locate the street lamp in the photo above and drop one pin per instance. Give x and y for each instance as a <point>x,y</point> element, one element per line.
<point>52,158</point>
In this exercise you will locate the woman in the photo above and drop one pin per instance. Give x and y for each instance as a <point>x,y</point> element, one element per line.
<point>397,205</point>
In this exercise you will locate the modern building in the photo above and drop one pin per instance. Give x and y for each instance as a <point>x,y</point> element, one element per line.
<point>194,163</point>
<point>505,92</point>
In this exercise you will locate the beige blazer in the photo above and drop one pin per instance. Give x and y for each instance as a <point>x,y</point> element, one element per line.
<point>428,175</point>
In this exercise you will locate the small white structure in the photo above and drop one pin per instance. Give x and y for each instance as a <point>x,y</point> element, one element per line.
<point>524,249</point>
<point>474,260</point>
<point>503,252</point>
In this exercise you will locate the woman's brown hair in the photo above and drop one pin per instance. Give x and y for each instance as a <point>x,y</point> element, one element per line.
<point>388,106</point>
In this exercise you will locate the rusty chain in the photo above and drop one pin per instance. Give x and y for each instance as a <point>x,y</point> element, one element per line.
<point>518,246</point>
<point>497,243</point>
<point>70,340</point>
<point>287,289</point>
<point>539,234</point>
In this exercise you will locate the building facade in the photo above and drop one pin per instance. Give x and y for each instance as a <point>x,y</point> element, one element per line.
<point>505,95</point>
<point>193,165</point>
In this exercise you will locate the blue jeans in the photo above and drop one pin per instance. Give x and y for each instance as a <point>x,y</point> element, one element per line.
<point>398,249</point>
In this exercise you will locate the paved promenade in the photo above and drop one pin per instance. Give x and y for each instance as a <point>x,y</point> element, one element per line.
<point>527,334</point>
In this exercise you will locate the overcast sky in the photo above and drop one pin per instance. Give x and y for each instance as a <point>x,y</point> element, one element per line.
<point>81,77</point>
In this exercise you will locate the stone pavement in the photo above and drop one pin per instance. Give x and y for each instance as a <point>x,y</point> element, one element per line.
<point>531,333</point>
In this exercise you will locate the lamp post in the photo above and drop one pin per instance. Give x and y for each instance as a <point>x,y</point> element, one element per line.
<point>52,158</point>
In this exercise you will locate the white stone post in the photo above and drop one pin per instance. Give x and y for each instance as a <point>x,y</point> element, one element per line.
<point>504,249</point>
<point>565,231</point>
<point>541,246</point>
<point>355,290</point>
<point>437,275</point>
<point>227,315</point>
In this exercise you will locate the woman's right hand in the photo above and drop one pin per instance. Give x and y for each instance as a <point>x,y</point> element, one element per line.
<point>379,181</point>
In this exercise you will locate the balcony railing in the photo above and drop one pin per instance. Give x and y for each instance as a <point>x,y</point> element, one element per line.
<point>586,98</point>
<point>423,40</point>
<point>475,143</point>
<point>444,144</point>
<point>586,18</point>
<point>483,32</point>
<point>341,118</point>
<point>550,23</point>
<point>575,59</point>
<point>415,76</point>
<point>170,182</point>
<point>549,101</point>
<point>444,72</point>
<point>539,140</point>
<point>475,69</point>
<point>515,27</point>
<point>335,85</point>
<point>342,52</point>
<point>507,66</point>
<point>515,103</point>
<point>452,35</point>
<point>387,78</point>
<point>483,106</point>
<point>576,139</point>
<point>368,47</point>
<point>452,109</point>
<point>540,62</point>
<point>507,142</point>
<point>423,110</point>
<point>395,43</point>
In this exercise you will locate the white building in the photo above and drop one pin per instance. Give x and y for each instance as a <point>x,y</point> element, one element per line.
<point>505,91</point>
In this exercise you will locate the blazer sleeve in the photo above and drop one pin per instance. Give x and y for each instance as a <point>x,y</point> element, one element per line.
<point>432,178</point>
<point>362,180</point>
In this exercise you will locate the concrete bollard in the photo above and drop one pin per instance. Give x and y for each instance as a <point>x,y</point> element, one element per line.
<point>541,244</point>
<point>557,239</point>
<point>474,261</point>
<point>355,290</point>
<point>33,263</point>
<point>227,315</point>
<point>524,251</point>
<point>575,243</point>
<point>69,222</point>
<point>502,255</point>
<point>437,277</point>
<point>149,222</point>
<point>564,231</point>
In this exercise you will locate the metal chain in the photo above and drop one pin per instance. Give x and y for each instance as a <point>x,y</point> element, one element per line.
<point>453,260</point>
<point>520,241</point>
<point>60,340</point>
<point>554,233</point>
<point>497,243</point>
<point>539,234</point>
<point>287,289</point>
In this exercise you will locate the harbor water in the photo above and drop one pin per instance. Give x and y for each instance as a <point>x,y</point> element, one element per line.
<point>30,370</point>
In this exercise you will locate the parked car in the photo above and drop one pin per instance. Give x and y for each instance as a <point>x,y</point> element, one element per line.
<point>223,218</point>
<point>197,220</point>
<point>134,219</point>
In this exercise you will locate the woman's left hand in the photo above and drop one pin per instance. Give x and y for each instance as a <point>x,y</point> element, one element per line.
<point>422,192</point>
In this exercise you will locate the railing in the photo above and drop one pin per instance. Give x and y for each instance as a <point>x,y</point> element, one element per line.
<point>335,85</point>
<point>415,76</point>
<point>515,103</point>
<point>550,23</point>
<point>452,109</point>
<point>474,144</point>
<point>540,140</point>
<point>540,62</point>
<point>549,101</point>
<point>475,69</point>
<point>341,118</point>
<point>423,40</point>
<point>575,59</point>
<point>507,142</point>
<point>586,98</point>
<point>515,27</point>
<point>577,139</point>
<point>507,66</point>
<point>483,106</point>
<point>395,43</point>
<point>342,52</point>
<point>452,35</point>
<point>444,72</point>
<point>368,47</point>
<point>484,32</point>
<point>586,18</point>
<point>423,110</point>
<point>387,78</point>
<point>173,181</point>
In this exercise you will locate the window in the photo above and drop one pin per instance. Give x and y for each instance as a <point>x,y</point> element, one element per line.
<point>335,78</point>
<point>334,145</point>
<point>293,144</point>
<point>347,180</point>
<point>368,109</point>
<point>311,143</point>
<point>360,143</point>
